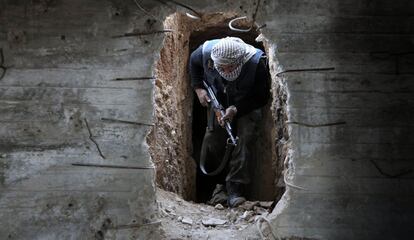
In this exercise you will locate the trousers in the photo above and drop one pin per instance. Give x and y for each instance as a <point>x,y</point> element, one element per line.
<point>214,146</point>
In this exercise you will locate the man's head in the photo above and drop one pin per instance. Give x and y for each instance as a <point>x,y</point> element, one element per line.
<point>229,55</point>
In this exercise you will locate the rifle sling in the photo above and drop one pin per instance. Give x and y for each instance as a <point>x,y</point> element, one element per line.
<point>224,161</point>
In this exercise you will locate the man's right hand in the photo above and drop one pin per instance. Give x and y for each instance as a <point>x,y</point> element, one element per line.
<point>202,96</point>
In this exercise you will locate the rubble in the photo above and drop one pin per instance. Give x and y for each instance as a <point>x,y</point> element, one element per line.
<point>203,209</point>
<point>259,210</point>
<point>219,206</point>
<point>247,215</point>
<point>213,222</point>
<point>187,220</point>
<point>232,216</point>
<point>217,222</point>
<point>266,204</point>
<point>248,205</point>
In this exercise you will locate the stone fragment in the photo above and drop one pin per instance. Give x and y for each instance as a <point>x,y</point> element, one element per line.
<point>247,215</point>
<point>187,220</point>
<point>213,222</point>
<point>219,207</point>
<point>265,204</point>
<point>259,210</point>
<point>241,227</point>
<point>232,216</point>
<point>248,205</point>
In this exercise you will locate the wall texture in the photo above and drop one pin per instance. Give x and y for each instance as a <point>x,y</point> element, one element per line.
<point>345,169</point>
<point>62,59</point>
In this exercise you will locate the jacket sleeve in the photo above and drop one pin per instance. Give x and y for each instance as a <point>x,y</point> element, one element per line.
<point>259,94</point>
<point>196,68</point>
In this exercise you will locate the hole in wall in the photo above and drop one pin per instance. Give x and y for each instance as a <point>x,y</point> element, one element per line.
<point>180,121</point>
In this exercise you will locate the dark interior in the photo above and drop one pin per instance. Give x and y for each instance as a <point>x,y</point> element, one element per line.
<point>206,184</point>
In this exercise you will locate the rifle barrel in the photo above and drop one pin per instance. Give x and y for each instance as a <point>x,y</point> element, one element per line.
<point>228,129</point>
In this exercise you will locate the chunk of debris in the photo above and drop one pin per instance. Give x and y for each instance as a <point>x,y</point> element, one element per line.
<point>213,222</point>
<point>170,210</point>
<point>241,227</point>
<point>248,205</point>
<point>219,207</point>
<point>259,210</point>
<point>187,220</point>
<point>232,216</point>
<point>265,204</point>
<point>247,215</point>
<point>203,209</point>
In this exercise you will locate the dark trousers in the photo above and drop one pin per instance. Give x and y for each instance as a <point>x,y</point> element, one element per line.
<point>214,146</point>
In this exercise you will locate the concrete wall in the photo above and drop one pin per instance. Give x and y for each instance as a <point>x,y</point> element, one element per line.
<point>62,58</point>
<point>346,196</point>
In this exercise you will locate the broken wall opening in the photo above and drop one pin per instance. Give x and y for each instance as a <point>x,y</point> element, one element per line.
<point>180,121</point>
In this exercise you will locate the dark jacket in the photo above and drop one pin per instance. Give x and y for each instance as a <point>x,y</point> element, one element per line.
<point>235,92</point>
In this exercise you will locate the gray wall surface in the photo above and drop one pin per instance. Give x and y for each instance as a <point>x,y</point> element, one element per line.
<point>345,168</point>
<point>62,59</point>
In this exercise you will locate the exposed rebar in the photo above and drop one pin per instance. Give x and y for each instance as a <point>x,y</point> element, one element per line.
<point>238,29</point>
<point>127,122</point>
<point>145,11</point>
<point>109,166</point>
<point>181,5</point>
<point>390,175</point>
<point>132,78</point>
<point>255,12</point>
<point>133,34</point>
<point>92,139</point>
<point>317,125</point>
<point>305,70</point>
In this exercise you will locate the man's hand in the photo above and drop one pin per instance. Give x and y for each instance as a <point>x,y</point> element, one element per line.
<point>202,96</point>
<point>228,116</point>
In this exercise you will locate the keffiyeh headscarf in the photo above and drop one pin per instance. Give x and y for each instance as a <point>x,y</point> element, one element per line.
<point>231,51</point>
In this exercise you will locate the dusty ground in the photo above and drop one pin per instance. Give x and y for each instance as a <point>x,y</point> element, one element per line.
<point>184,220</point>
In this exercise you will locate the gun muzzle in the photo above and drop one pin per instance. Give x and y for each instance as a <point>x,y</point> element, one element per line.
<point>233,140</point>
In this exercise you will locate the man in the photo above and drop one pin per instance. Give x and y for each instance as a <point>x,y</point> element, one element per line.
<point>239,76</point>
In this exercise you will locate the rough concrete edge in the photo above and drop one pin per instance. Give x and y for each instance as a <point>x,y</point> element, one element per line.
<point>163,15</point>
<point>181,20</point>
<point>288,171</point>
<point>275,67</point>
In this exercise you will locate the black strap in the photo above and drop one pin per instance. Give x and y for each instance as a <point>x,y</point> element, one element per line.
<point>211,123</point>
<point>227,155</point>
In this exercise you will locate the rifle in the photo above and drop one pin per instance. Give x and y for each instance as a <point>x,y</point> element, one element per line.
<point>219,110</point>
<point>231,141</point>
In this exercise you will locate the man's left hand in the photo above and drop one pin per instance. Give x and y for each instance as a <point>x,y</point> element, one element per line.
<point>228,116</point>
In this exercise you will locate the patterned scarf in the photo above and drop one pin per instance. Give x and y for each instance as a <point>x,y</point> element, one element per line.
<point>231,51</point>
